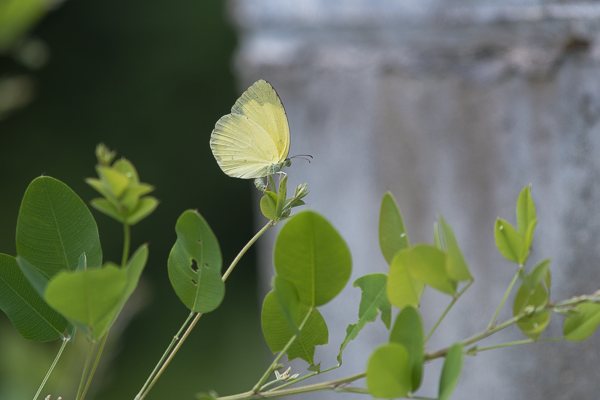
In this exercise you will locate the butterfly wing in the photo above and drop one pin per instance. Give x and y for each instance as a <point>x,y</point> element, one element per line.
<point>242,148</point>
<point>255,136</point>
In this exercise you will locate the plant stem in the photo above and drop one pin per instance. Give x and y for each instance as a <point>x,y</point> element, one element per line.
<point>86,367</point>
<point>447,310</point>
<point>126,244</point>
<point>245,249</point>
<point>177,342</point>
<point>504,298</point>
<point>273,365</point>
<point>330,385</point>
<point>166,353</point>
<point>475,349</point>
<point>94,365</point>
<point>65,341</point>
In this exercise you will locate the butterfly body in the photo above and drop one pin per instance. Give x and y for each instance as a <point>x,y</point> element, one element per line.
<point>254,140</point>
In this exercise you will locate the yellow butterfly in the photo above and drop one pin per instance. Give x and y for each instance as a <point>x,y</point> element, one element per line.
<point>254,140</point>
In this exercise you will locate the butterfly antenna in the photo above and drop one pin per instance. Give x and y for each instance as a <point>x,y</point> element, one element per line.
<point>306,157</point>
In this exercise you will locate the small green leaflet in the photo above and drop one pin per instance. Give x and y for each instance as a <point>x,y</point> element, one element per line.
<point>408,331</point>
<point>195,264</point>
<point>451,372</point>
<point>456,265</point>
<point>388,372</point>
<point>582,323</point>
<point>277,329</point>
<point>534,292</point>
<point>373,302</point>
<point>392,233</point>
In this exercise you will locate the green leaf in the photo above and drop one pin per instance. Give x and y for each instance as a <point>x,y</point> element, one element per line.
<point>456,265</point>
<point>582,323</point>
<point>388,372</point>
<point>534,292</point>
<point>408,331</point>
<point>27,311</point>
<point>427,264</point>
<point>508,241</point>
<point>392,234</point>
<point>145,207</point>
<point>281,197</point>
<point>268,205</point>
<point>277,329</point>
<point>114,181</point>
<point>107,208</point>
<point>402,289</point>
<point>373,302</point>
<point>89,297</point>
<point>55,227</point>
<point>195,264</point>
<point>312,255</point>
<point>16,18</point>
<point>451,371</point>
<point>526,214</point>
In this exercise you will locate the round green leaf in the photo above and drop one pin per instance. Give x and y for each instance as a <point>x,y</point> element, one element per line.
<point>195,263</point>
<point>27,311</point>
<point>388,372</point>
<point>55,227</point>
<point>312,255</point>
<point>89,297</point>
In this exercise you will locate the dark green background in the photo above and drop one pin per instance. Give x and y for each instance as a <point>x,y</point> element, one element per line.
<point>148,78</point>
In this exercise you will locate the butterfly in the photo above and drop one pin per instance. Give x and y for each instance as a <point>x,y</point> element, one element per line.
<point>254,140</point>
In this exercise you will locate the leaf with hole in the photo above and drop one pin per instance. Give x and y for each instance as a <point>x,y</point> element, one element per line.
<point>195,264</point>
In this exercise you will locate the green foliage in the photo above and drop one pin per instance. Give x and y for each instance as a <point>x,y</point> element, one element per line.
<point>451,371</point>
<point>408,331</point>
<point>312,255</point>
<point>281,321</point>
<point>374,301</point>
<point>514,244</point>
<point>55,228</point>
<point>16,18</point>
<point>93,298</point>
<point>195,264</point>
<point>582,322</point>
<point>275,205</point>
<point>27,311</point>
<point>392,234</point>
<point>456,265</point>
<point>124,197</point>
<point>388,372</point>
<point>533,293</point>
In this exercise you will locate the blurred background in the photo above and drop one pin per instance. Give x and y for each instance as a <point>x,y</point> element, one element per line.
<point>451,105</point>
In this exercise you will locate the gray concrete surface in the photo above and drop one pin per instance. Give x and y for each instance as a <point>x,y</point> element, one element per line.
<point>453,106</point>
